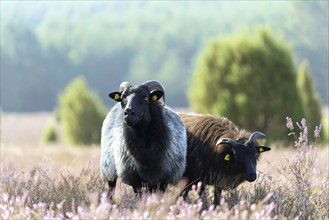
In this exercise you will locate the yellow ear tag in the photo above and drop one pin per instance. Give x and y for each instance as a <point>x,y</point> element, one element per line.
<point>261,149</point>
<point>227,157</point>
<point>116,97</point>
<point>154,98</point>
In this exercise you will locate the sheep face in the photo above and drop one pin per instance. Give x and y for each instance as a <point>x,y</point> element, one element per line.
<point>241,159</point>
<point>136,103</point>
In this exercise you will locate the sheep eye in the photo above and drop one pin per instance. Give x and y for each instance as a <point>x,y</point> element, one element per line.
<point>123,101</point>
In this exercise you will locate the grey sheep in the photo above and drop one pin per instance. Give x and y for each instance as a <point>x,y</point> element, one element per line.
<point>143,141</point>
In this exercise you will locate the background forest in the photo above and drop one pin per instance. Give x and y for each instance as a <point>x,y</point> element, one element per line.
<point>44,45</point>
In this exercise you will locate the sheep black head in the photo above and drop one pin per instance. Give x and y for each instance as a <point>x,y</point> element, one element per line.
<point>244,156</point>
<point>138,101</point>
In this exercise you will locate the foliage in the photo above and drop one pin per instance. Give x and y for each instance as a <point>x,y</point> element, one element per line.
<point>298,171</point>
<point>298,190</point>
<point>44,45</point>
<point>310,99</point>
<point>81,113</point>
<point>251,80</point>
<point>40,192</point>
<point>49,134</point>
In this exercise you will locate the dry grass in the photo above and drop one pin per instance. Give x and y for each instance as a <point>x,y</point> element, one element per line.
<point>58,181</point>
<point>24,129</point>
<point>22,147</point>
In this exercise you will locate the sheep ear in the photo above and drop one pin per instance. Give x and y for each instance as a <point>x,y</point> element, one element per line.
<point>156,95</point>
<point>227,156</point>
<point>262,149</point>
<point>115,96</point>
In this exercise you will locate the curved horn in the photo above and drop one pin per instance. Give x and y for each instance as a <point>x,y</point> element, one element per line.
<point>155,85</point>
<point>228,141</point>
<point>254,136</point>
<point>124,86</point>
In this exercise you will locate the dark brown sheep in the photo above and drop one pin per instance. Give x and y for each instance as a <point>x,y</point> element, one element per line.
<point>219,153</point>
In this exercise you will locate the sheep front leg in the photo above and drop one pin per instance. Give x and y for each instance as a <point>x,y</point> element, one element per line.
<point>111,191</point>
<point>160,187</point>
<point>138,191</point>
<point>217,195</point>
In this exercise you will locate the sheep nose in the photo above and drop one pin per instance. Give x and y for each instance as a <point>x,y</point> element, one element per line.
<point>129,112</point>
<point>251,177</point>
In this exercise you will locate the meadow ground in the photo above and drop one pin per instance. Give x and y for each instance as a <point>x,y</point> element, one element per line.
<point>58,181</point>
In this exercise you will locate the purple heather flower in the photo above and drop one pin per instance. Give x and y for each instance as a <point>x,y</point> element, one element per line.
<point>303,123</point>
<point>199,186</point>
<point>317,131</point>
<point>308,183</point>
<point>305,132</point>
<point>289,123</point>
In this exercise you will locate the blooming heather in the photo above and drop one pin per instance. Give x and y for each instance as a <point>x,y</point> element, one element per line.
<point>289,124</point>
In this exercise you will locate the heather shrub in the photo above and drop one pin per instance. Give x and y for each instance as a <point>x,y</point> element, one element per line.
<point>296,189</point>
<point>301,190</point>
<point>60,195</point>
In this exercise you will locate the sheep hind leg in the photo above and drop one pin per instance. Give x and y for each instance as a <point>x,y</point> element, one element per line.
<point>201,191</point>
<point>184,192</point>
<point>138,191</point>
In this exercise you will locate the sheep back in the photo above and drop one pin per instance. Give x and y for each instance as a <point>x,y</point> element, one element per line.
<point>203,132</point>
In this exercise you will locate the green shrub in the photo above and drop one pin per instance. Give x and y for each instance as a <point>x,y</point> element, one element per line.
<point>80,113</point>
<point>251,80</point>
<point>49,134</point>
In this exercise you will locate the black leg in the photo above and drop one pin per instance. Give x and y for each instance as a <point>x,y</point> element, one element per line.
<point>112,184</point>
<point>111,188</point>
<point>162,187</point>
<point>184,192</point>
<point>217,195</point>
<point>188,188</point>
<point>138,191</point>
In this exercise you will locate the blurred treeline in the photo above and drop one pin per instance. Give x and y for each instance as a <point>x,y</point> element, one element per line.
<point>44,45</point>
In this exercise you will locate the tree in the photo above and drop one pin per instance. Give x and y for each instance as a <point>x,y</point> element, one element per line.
<point>310,99</point>
<point>309,35</point>
<point>81,113</point>
<point>251,80</point>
